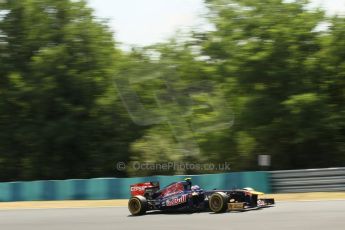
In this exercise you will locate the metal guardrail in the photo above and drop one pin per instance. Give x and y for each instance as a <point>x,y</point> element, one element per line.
<point>308,180</point>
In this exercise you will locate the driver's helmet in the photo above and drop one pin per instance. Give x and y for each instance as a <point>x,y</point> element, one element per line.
<point>195,187</point>
<point>188,180</point>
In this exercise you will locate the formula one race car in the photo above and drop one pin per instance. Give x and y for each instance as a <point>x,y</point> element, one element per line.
<point>182,196</point>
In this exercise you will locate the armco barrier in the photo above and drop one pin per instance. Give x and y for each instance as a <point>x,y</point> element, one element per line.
<point>308,180</point>
<point>118,188</point>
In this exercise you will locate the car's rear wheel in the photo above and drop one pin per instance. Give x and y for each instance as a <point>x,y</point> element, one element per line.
<point>137,205</point>
<point>218,202</point>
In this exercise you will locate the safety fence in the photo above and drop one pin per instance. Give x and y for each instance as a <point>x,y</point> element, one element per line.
<point>308,180</point>
<point>118,188</point>
<point>285,181</point>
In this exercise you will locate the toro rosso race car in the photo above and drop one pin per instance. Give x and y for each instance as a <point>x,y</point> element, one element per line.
<point>182,196</point>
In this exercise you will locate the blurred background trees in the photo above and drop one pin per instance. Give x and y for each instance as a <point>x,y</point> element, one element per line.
<point>275,52</point>
<point>59,115</point>
<point>268,79</point>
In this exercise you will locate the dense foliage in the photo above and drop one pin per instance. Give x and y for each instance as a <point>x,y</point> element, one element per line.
<point>268,79</point>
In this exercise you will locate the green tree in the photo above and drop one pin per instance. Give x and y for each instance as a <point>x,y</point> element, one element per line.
<point>181,90</point>
<point>272,50</point>
<point>59,113</point>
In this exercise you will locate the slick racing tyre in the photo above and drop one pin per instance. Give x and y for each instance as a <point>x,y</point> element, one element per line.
<point>218,202</point>
<point>137,205</point>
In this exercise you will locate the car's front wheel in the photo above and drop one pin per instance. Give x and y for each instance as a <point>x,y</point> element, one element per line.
<point>218,202</point>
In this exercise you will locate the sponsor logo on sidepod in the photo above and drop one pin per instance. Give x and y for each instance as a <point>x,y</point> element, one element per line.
<point>176,201</point>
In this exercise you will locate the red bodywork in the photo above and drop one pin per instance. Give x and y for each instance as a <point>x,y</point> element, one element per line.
<point>172,189</point>
<point>140,188</point>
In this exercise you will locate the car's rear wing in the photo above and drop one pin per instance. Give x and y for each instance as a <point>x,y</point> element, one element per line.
<point>140,189</point>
